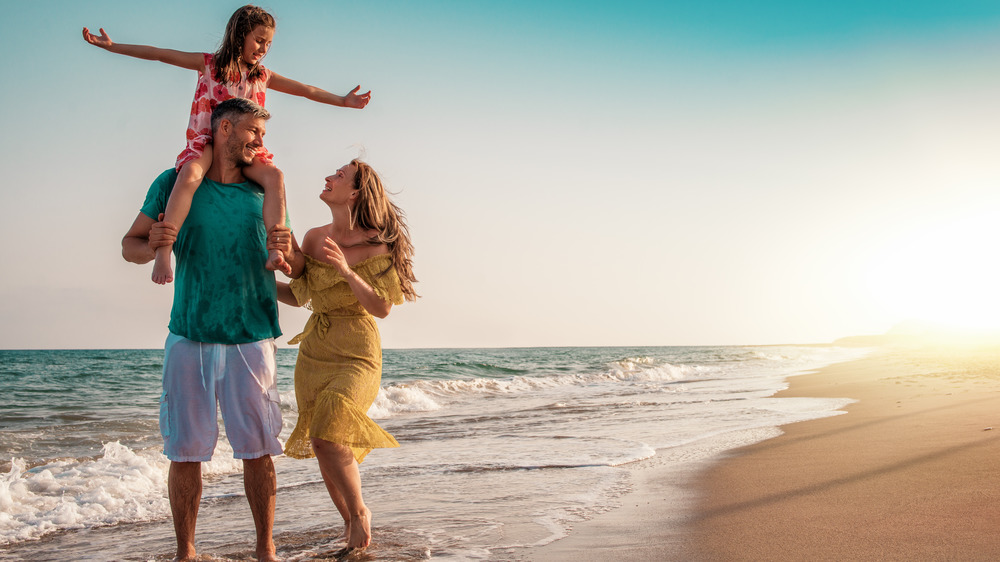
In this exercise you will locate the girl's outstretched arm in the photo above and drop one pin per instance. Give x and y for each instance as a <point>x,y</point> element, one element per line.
<point>191,61</point>
<point>288,86</point>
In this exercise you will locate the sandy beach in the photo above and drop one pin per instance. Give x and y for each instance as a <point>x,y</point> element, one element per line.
<point>904,466</point>
<point>909,472</point>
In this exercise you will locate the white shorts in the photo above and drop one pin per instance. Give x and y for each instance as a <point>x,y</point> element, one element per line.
<point>241,378</point>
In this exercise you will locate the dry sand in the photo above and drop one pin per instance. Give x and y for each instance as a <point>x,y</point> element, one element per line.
<point>910,472</point>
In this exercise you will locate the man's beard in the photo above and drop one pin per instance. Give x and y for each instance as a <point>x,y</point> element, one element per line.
<point>239,160</point>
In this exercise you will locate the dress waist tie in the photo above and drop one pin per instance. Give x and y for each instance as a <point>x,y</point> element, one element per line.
<point>317,321</point>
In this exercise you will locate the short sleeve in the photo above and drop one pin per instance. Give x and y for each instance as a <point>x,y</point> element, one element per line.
<point>386,285</point>
<point>159,192</point>
<point>300,289</point>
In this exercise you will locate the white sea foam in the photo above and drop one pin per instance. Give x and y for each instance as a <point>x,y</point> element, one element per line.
<point>397,399</point>
<point>640,453</point>
<point>432,395</point>
<point>648,369</point>
<point>120,486</point>
<point>769,356</point>
<point>70,494</point>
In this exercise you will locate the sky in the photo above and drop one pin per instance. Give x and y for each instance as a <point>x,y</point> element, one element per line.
<point>574,173</point>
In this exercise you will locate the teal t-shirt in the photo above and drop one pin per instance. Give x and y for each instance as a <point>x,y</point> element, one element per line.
<point>222,291</point>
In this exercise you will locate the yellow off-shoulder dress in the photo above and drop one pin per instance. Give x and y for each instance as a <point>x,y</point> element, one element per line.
<point>339,368</point>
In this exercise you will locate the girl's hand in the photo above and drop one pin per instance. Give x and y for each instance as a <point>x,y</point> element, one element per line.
<point>353,99</point>
<point>103,41</point>
<point>332,252</point>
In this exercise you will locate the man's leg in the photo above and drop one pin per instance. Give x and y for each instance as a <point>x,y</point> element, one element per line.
<point>184,488</point>
<point>261,486</point>
<point>249,401</point>
<point>189,429</point>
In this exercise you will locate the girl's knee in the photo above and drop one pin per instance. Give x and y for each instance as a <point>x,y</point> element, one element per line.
<point>267,175</point>
<point>274,176</point>
<point>190,173</point>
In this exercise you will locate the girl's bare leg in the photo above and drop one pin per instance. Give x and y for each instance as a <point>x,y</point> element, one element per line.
<point>178,206</point>
<point>337,463</point>
<point>273,181</point>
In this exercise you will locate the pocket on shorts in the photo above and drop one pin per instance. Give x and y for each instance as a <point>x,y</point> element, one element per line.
<point>164,416</point>
<point>274,410</point>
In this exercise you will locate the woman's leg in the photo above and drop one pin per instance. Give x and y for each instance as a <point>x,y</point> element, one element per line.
<point>338,499</point>
<point>339,468</point>
<point>178,206</point>
<point>273,181</point>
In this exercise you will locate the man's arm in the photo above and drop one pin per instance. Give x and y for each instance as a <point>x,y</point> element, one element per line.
<point>145,236</point>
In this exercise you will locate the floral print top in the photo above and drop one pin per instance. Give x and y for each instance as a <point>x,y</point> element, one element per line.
<point>209,94</point>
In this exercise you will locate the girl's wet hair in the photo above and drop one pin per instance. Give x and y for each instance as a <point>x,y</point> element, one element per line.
<point>227,58</point>
<point>375,211</point>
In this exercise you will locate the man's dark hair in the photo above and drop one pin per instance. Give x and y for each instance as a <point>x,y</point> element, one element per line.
<point>235,109</point>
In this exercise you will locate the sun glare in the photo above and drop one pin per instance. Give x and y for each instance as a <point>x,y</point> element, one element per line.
<point>946,276</point>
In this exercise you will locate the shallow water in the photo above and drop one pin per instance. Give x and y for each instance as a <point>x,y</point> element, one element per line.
<point>501,449</point>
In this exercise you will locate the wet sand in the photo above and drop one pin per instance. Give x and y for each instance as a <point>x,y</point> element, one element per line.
<point>911,471</point>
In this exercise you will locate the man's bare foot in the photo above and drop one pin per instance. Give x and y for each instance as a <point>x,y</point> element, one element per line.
<point>360,530</point>
<point>162,272</point>
<point>276,262</point>
<point>267,553</point>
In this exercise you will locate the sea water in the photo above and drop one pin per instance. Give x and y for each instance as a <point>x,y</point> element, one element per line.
<point>501,449</point>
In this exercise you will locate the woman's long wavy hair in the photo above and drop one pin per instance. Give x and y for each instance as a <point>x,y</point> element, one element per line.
<point>373,210</point>
<point>227,58</point>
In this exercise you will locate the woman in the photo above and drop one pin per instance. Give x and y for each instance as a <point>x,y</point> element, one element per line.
<point>357,266</point>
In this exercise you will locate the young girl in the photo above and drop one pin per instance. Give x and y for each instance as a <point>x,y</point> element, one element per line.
<point>233,71</point>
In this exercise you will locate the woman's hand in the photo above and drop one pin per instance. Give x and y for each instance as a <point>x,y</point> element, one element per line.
<point>329,251</point>
<point>103,41</point>
<point>334,255</point>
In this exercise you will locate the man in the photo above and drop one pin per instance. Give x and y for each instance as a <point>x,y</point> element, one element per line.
<point>223,322</point>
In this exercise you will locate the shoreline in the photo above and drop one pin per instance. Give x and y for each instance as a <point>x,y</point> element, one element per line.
<point>906,473</point>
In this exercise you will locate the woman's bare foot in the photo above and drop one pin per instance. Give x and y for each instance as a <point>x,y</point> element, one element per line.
<point>360,530</point>
<point>162,272</point>
<point>276,262</point>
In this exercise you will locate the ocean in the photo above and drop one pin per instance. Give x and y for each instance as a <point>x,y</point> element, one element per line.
<point>502,450</point>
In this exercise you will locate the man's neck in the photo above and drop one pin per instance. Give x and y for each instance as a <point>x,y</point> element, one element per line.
<point>225,172</point>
